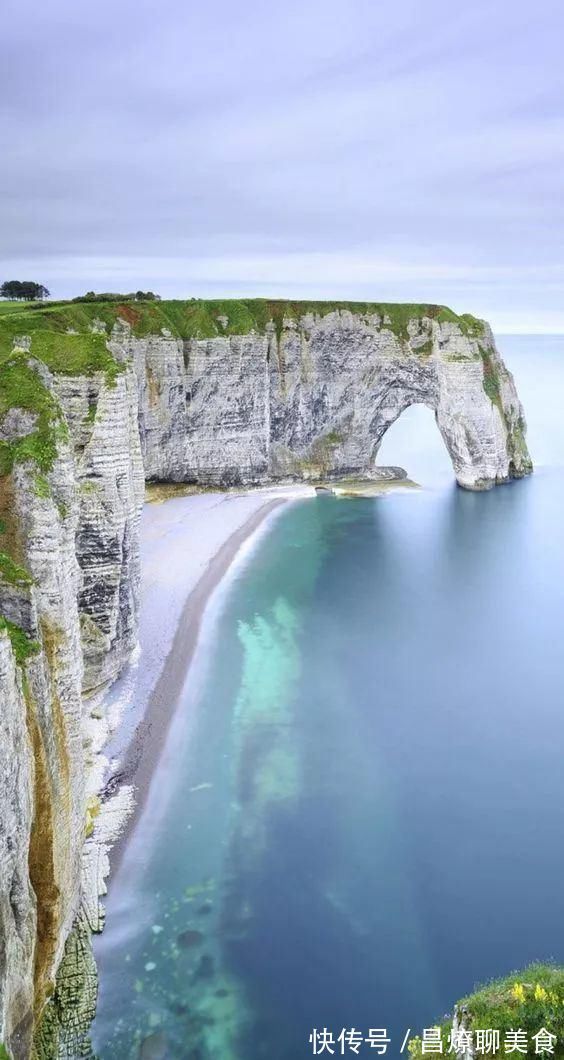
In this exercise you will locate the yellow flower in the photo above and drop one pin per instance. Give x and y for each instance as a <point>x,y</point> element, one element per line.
<point>540,993</point>
<point>518,992</point>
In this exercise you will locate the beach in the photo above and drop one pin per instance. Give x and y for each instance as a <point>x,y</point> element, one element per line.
<point>188,544</point>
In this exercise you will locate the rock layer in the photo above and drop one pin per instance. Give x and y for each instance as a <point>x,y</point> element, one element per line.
<point>85,416</point>
<point>108,474</point>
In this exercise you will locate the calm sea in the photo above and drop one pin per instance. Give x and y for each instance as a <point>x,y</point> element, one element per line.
<point>360,810</point>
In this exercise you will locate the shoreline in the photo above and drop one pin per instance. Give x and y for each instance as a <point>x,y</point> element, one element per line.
<point>130,721</point>
<point>144,751</point>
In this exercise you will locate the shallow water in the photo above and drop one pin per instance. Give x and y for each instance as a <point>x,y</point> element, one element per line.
<point>360,809</point>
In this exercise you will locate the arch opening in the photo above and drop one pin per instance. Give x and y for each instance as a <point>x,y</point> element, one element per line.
<point>414,442</point>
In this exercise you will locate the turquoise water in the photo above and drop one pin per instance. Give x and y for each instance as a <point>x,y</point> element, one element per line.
<point>360,810</point>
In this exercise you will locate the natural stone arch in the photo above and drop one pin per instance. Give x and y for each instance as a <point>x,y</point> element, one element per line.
<point>342,382</point>
<point>313,396</point>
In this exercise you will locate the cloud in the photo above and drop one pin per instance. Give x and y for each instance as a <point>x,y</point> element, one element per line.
<point>316,148</point>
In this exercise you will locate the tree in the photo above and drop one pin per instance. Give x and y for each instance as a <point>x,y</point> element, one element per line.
<point>24,290</point>
<point>113,296</point>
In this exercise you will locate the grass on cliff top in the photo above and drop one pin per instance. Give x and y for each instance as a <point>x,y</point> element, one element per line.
<point>22,387</point>
<point>12,307</point>
<point>196,318</point>
<point>529,1000</point>
<point>67,354</point>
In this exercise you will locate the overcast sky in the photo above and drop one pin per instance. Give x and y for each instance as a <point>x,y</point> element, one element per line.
<point>370,149</point>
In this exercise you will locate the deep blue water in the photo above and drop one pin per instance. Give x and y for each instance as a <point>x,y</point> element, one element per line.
<point>360,812</point>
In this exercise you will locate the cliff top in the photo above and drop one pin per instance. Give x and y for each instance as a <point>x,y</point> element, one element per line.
<point>61,332</point>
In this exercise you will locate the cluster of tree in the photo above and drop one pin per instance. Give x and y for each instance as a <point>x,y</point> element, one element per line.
<point>109,296</point>
<point>23,290</point>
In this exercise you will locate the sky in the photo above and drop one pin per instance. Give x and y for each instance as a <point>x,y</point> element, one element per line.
<point>383,150</point>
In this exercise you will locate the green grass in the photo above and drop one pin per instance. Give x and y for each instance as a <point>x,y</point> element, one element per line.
<point>527,1000</point>
<point>81,354</point>
<point>491,381</point>
<point>12,573</point>
<point>91,414</point>
<point>14,307</point>
<point>333,438</point>
<point>42,487</point>
<point>23,646</point>
<point>21,387</point>
<point>193,318</point>
<point>75,354</point>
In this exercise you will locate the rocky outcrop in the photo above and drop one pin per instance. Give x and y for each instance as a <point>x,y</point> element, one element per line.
<point>63,1030</point>
<point>337,385</point>
<point>268,392</point>
<point>315,399</point>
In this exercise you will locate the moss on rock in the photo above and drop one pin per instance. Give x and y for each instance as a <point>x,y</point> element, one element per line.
<point>63,1029</point>
<point>491,381</point>
<point>11,573</point>
<point>23,645</point>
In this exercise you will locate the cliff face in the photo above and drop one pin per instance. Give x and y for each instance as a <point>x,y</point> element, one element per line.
<point>17,901</point>
<point>108,475</point>
<point>70,503</point>
<point>315,399</point>
<point>204,408</point>
<point>39,600</point>
<point>90,406</point>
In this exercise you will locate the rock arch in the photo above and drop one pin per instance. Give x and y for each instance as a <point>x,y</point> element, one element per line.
<point>315,398</point>
<point>331,407</point>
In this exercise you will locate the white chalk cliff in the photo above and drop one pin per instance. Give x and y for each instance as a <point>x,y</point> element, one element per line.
<point>317,399</point>
<point>308,395</point>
